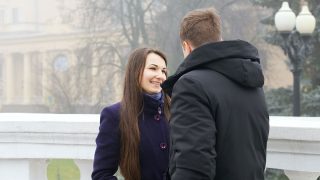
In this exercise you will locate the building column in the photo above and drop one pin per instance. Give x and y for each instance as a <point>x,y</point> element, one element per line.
<point>94,71</point>
<point>85,167</point>
<point>72,60</point>
<point>9,81</point>
<point>28,169</point>
<point>27,79</point>
<point>46,83</point>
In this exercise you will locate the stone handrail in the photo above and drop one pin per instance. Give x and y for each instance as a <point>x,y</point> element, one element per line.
<point>28,140</point>
<point>294,145</point>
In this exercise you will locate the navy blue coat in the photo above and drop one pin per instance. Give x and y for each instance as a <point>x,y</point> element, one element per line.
<point>154,138</point>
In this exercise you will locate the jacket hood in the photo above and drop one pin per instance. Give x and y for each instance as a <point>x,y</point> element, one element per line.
<point>237,60</point>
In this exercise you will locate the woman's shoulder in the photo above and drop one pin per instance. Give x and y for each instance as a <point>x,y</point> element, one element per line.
<point>112,109</point>
<point>110,113</point>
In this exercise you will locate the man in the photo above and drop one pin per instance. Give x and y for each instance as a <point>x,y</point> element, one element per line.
<point>219,123</point>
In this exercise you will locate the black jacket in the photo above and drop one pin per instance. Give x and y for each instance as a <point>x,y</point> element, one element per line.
<point>219,123</point>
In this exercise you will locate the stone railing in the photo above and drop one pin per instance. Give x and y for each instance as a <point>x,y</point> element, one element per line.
<point>294,145</point>
<point>27,141</point>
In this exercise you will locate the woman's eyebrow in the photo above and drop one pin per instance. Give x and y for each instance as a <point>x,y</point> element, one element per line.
<point>154,65</point>
<point>157,66</point>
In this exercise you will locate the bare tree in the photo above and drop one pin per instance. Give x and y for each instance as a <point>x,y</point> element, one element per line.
<point>114,29</point>
<point>86,83</point>
<point>240,20</point>
<point>124,22</point>
<point>117,27</point>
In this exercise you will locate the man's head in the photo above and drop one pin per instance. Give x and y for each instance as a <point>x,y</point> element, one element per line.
<point>199,27</point>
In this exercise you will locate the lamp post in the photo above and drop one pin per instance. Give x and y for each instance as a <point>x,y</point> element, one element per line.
<point>296,33</point>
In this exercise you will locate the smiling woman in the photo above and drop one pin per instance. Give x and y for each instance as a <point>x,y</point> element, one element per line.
<point>154,73</point>
<point>133,133</point>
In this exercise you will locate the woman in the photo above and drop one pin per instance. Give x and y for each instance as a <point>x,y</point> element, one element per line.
<point>133,133</point>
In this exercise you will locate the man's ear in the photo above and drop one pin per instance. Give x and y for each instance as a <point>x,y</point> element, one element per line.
<point>187,48</point>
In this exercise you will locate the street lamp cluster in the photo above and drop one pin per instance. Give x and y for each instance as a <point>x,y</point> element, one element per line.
<point>296,33</point>
<point>286,21</point>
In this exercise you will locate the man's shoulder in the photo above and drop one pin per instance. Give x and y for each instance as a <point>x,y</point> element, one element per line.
<point>192,79</point>
<point>199,75</point>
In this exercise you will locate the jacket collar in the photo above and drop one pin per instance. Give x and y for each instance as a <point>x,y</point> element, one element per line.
<point>211,53</point>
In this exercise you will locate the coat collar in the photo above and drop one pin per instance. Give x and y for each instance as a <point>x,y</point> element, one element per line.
<point>151,105</point>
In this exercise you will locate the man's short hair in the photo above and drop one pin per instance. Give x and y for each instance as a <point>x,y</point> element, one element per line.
<point>201,26</point>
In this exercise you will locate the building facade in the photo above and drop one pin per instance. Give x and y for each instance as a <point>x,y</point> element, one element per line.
<point>37,48</point>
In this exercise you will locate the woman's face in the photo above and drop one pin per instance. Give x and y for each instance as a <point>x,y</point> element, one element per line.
<point>154,74</point>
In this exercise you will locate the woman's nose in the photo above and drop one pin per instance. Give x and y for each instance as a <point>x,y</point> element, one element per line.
<point>161,75</point>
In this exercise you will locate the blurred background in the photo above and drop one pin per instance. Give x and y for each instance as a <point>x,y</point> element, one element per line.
<point>60,56</point>
<point>69,56</point>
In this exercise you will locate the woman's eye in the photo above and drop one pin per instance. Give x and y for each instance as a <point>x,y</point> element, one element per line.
<point>164,71</point>
<point>152,68</point>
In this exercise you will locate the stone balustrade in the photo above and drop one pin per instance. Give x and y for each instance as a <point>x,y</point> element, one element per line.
<point>27,141</point>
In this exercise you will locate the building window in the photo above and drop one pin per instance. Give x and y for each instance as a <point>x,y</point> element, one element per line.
<point>61,63</point>
<point>1,78</point>
<point>15,15</point>
<point>2,14</point>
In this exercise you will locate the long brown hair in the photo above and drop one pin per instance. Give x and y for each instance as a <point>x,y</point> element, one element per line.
<point>131,107</point>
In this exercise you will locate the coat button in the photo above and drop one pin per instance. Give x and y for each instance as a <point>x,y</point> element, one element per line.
<point>163,146</point>
<point>157,117</point>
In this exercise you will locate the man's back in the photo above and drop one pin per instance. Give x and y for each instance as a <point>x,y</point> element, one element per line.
<point>219,124</point>
<point>241,121</point>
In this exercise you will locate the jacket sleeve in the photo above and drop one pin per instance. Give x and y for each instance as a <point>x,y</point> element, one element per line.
<point>193,132</point>
<point>106,158</point>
